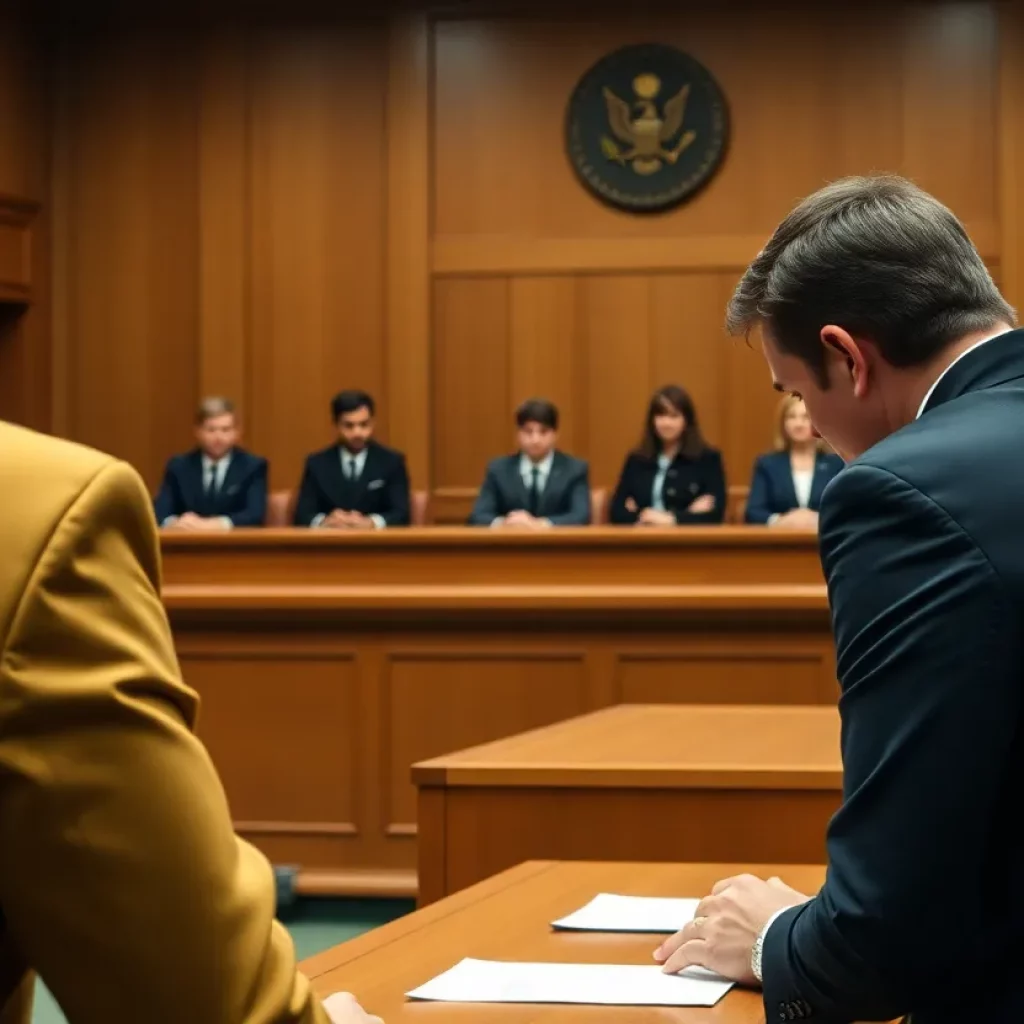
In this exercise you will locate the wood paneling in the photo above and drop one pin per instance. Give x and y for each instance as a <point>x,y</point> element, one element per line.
<point>319,695</point>
<point>639,301</point>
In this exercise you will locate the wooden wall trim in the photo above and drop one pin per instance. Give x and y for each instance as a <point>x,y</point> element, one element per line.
<point>1010,143</point>
<point>478,256</point>
<point>16,250</point>
<point>407,272</point>
<point>224,203</point>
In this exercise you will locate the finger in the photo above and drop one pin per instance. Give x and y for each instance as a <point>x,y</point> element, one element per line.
<point>707,907</point>
<point>689,932</point>
<point>691,954</point>
<point>719,887</point>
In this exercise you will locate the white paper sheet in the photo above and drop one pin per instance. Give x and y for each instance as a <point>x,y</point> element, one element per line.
<point>651,914</point>
<point>490,981</point>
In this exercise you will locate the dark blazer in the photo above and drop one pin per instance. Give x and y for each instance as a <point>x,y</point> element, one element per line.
<point>382,489</point>
<point>242,497</point>
<point>923,907</point>
<point>771,485</point>
<point>687,480</point>
<point>565,499</point>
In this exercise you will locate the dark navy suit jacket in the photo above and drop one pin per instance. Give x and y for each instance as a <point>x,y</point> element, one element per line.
<point>565,499</point>
<point>382,488</point>
<point>242,497</point>
<point>923,549</point>
<point>771,485</point>
<point>687,480</point>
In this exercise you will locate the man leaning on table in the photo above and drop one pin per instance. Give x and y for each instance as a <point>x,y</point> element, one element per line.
<point>121,881</point>
<point>876,308</point>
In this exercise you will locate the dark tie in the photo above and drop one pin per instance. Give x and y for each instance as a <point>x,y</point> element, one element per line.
<point>211,481</point>
<point>350,468</point>
<point>533,495</point>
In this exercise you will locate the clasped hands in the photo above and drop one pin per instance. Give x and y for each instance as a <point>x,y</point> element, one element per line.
<point>722,934</point>
<point>798,519</point>
<point>521,519</point>
<point>340,519</point>
<point>654,517</point>
<point>192,523</point>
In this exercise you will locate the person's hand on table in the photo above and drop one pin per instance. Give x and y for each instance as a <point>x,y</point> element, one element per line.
<point>722,934</point>
<point>357,521</point>
<point>705,503</point>
<point>524,521</point>
<point>342,1008</point>
<point>339,519</point>
<point>798,519</point>
<point>652,517</point>
<point>187,521</point>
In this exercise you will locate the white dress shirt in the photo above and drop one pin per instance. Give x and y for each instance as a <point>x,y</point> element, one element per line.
<point>803,484</point>
<point>352,466</point>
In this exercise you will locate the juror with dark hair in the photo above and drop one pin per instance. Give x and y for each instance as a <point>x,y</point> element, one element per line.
<point>217,485</point>
<point>673,477</point>
<point>538,486</point>
<point>788,484</point>
<point>355,483</point>
<point>874,306</point>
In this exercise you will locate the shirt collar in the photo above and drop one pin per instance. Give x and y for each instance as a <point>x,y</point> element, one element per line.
<point>526,464</point>
<point>208,462</point>
<point>935,383</point>
<point>359,458</point>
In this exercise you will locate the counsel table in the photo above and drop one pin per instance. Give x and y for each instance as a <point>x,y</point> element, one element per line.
<point>633,783</point>
<point>329,662</point>
<point>508,918</point>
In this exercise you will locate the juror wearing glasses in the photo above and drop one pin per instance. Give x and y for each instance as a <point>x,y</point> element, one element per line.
<point>787,484</point>
<point>673,477</point>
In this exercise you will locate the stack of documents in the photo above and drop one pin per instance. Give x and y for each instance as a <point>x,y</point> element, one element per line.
<point>490,981</point>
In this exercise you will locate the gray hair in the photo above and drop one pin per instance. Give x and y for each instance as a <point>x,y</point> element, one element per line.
<point>210,408</point>
<point>880,258</point>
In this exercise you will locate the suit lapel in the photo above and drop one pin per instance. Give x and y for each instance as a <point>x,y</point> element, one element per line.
<point>785,483</point>
<point>518,498</point>
<point>555,484</point>
<point>370,468</point>
<point>236,470</point>
<point>331,479</point>
<point>195,484</point>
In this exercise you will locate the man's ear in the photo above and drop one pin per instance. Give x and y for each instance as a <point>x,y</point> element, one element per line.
<point>849,353</point>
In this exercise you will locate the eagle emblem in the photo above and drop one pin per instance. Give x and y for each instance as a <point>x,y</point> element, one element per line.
<point>645,135</point>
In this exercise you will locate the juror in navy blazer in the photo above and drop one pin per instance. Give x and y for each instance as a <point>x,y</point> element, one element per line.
<point>686,480</point>
<point>772,492</point>
<point>242,497</point>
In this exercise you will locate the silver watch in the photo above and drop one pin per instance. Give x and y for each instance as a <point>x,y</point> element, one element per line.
<point>755,956</point>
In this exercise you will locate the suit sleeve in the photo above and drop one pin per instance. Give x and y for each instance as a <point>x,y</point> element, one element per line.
<point>306,505</point>
<point>485,508</point>
<point>166,503</point>
<point>398,512</point>
<point>713,483</point>
<point>618,513</point>
<point>255,511</point>
<point>579,501</point>
<point>120,876</point>
<point>929,664</point>
<point>759,508</point>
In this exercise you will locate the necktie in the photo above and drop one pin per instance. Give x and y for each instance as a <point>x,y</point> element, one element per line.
<point>350,468</point>
<point>533,496</point>
<point>211,481</point>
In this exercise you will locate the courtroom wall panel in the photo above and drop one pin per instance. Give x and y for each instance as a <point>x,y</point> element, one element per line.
<point>25,343</point>
<point>540,288</point>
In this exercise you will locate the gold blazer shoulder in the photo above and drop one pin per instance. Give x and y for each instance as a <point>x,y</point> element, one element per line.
<point>121,881</point>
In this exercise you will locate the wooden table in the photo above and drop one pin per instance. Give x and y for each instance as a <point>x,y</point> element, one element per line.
<point>328,663</point>
<point>508,918</point>
<point>633,783</point>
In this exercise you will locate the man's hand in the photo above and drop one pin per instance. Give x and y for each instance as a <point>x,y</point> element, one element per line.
<point>187,521</point>
<point>211,524</point>
<point>705,503</point>
<point>722,934</point>
<point>339,519</point>
<point>342,1008</point>
<point>522,520</point>
<point>652,517</point>
<point>357,521</point>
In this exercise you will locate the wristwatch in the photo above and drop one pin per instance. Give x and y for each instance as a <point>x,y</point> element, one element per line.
<point>755,956</point>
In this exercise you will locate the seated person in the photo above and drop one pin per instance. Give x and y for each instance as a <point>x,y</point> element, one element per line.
<point>356,484</point>
<point>787,484</point>
<point>673,477</point>
<point>539,486</point>
<point>217,485</point>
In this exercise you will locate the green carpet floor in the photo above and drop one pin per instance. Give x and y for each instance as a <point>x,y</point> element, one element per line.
<point>315,925</point>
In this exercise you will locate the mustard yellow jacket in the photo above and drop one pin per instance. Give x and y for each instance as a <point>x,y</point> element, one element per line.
<point>121,881</point>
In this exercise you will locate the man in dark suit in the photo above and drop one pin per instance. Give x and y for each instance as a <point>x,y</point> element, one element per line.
<point>217,485</point>
<point>355,484</point>
<point>877,309</point>
<point>539,486</point>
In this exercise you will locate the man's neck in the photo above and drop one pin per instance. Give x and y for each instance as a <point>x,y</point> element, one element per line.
<point>923,378</point>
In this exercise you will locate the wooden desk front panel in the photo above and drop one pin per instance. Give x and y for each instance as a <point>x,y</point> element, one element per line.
<point>318,699</point>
